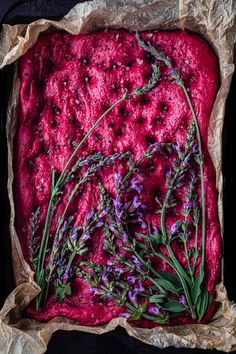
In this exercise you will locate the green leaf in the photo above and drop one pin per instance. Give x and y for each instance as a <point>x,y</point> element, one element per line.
<point>157,299</point>
<point>162,320</point>
<point>204,302</point>
<point>62,291</point>
<point>53,180</point>
<point>167,285</point>
<point>173,306</point>
<point>174,279</point>
<point>196,289</point>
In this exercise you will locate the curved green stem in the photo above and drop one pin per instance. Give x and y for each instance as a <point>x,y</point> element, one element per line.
<point>201,173</point>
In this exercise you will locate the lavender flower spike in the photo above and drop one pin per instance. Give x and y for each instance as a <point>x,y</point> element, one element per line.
<point>118,179</point>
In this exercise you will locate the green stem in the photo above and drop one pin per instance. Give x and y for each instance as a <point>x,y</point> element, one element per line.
<point>188,261</point>
<point>43,248</point>
<point>176,268</point>
<point>123,98</point>
<point>196,248</point>
<point>201,173</point>
<point>146,264</point>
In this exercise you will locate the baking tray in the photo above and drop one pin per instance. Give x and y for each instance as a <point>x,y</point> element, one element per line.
<point>118,341</point>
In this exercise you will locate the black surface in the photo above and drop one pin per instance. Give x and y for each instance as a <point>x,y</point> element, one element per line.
<point>25,11</point>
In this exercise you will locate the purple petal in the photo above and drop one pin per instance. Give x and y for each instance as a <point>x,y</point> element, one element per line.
<point>139,288</point>
<point>153,310</point>
<point>131,279</point>
<point>125,237</point>
<point>118,179</point>
<point>96,291</point>
<point>174,229</point>
<point>90,215</point>
<point>182,300</point>
<point>133,298</point>
<point>85,237</point>
<point>105,279</point>
<point>119,270</point>
<point>136,185</point>
<point>100,223</point>
<point>124,315</point>
<point>136,202</point>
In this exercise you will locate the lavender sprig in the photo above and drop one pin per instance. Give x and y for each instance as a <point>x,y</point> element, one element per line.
<point>56,185</point>
<point>189,205</point>
<point>102,161</point>
<point>33,246</point>
<point>77,245</point>
<point>201,298</point>
<point>107,284</point>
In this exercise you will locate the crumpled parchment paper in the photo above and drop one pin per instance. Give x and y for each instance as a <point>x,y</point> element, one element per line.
<point>215,20</point>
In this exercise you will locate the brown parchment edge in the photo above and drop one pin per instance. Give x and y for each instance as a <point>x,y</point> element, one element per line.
<point>218,27</point>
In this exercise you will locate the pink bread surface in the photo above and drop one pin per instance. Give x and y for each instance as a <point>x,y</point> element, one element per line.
<point>67,82</point>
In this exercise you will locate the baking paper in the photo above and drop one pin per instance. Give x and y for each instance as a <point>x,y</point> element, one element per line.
<point>215,20</point>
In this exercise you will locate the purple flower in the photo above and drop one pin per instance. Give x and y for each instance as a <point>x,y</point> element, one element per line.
<point>105,279</point>
<point>117,203</point>
<point>118,179</point>
<point>109,297</point>
<point>105,211</point>
<point>119,270</point>
<point>182,300</point>
<point>195,148</point>
<point>90,215</point>
<point>169,174</point>
<point>142,223</point>
<point>74,235</point>
<point>124,315</point>
<point>177,147</point>
<point>185,163</point>
<point>153,310</point>
<point>181,180</point>
<point>153,148</point>
<point>65,277</point>
<point>85,237</point>
<point>131,279</point>
<point>188,205</point>
<point>136,262</point>
<point>112,228</point>
<point>136,185</point>
<point>139,288</point>
<point>174,228</point>
<point>155,230</point>
<point>96,291</point>
<point>100,223</point>
<point>133,298</point>
<point>136,202</point>
<point>125,237</point>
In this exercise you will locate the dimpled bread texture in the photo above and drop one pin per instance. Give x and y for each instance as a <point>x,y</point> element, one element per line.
<point>67,82</point>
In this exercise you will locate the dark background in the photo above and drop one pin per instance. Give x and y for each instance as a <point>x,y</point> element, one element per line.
<point>25,11</point>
